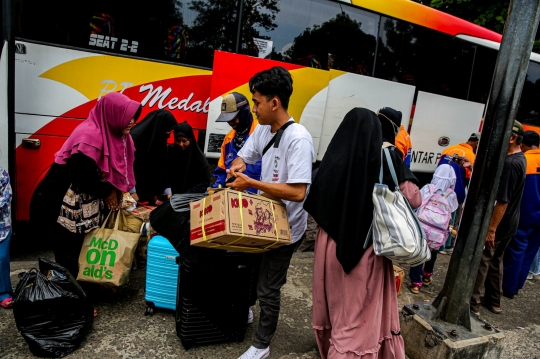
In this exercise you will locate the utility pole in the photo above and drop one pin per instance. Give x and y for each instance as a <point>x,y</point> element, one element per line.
<point>510,71</point>
<point>239,15</point>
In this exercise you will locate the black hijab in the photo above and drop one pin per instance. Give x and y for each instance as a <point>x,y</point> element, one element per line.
<point>340,197</point>
<point>390,122</point>
<point>187,168</point>
<point>150,138</point>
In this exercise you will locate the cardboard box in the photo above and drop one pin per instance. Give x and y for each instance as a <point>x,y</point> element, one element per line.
<point>239,221</point>
<point>143,212</point>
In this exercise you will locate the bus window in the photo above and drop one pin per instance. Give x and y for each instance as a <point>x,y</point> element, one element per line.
<point>432,61</point>
<point>319,34</point>
<point>484,68</point>
<point>529,106</point>
<point>149,29</point>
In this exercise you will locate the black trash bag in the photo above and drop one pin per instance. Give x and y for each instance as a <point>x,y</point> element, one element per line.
<point>172,225</point>
<point>51,310</point>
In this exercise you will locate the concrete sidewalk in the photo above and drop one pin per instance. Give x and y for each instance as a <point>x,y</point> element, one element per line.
<point>122,331</point>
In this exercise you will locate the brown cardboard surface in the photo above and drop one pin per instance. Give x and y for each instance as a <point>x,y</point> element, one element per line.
<point>239,221</point>
<point>143,212</point>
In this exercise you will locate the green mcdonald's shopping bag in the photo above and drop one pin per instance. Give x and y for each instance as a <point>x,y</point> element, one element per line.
<point>107,254</point>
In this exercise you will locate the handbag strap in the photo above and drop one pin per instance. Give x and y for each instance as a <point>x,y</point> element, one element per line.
<point>277,138</point>
<point>119,214</point>
<point>390,167</point>
<point>106,219</point>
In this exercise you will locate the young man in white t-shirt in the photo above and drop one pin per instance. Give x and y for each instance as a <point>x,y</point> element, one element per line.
<point>286,174</point>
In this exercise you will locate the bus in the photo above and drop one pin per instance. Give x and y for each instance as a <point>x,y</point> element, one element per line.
<point>182,55</point>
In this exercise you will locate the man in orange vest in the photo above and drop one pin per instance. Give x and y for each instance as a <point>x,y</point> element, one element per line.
<point>464,149</point>
<point>404,145</point>
<point>236,112</point>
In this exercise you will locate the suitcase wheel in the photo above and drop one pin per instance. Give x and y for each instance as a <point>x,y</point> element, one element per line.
<point>187,344</point>
<point>239,338</point>
<point>149,308</point>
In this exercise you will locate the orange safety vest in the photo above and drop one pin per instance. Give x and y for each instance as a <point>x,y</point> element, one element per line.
<point>462,150</point>
<point>403,142</point>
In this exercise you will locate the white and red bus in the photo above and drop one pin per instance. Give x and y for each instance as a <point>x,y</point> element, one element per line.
<point>342,54</point>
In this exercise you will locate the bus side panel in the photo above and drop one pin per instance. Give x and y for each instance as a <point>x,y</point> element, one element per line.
<point>306,103</point>
<point>440,122</point>
<point>56,88</point>
<point>347,91</point>
<point>31,166</point>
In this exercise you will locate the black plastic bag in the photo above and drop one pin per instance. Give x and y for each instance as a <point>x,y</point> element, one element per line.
<point>51,310</point>
<point>172,225</point>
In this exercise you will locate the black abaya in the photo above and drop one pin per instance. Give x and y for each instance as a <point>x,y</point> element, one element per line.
<point>150,167</point>
<point>188,170</point>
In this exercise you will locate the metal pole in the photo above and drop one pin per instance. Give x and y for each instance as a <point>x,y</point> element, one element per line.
<point>239,20</point>
<point>8,40</point>
<point>510,71</point>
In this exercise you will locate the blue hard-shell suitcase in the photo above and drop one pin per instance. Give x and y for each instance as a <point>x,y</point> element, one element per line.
<point>161,275</point>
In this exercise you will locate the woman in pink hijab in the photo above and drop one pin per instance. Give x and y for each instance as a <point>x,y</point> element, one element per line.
<point>95,161</point>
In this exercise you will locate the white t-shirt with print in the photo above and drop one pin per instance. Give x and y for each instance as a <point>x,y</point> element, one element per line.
<point>289,163</point>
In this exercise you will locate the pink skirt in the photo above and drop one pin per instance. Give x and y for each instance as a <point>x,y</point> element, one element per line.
<point>355,315</point>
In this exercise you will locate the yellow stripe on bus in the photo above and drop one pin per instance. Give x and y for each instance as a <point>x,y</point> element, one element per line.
<point>88,75</point>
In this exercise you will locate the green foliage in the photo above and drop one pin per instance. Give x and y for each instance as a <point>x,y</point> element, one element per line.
<point>536,46</point>
<point>487,13</point>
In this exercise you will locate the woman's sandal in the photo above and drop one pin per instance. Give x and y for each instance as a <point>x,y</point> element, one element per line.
<point>7,303</point>
<point>414,288</point>
<point>426,281</point>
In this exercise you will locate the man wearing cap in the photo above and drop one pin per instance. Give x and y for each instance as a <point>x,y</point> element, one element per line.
<point>502,226</point>
<point>523,248</point>
<point>236,112</point>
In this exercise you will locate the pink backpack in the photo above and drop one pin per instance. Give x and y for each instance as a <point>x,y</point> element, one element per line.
<point>435,215</point>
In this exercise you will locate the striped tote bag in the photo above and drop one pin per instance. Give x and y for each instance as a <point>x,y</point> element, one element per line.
<point>397,233</point>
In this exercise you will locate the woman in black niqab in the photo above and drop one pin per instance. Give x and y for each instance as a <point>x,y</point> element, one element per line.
<point>150,137</point>
<point>188,169</point>
<point>340,196</point>
<point>346,277</point>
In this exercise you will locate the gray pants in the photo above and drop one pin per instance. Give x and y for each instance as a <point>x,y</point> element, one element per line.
<point>272,277</point>
<point>490,274</point>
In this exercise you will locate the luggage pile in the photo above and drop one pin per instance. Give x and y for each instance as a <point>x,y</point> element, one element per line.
<point>216,289</point>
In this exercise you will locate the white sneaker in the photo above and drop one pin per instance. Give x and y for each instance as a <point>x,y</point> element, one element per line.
<point>250,316</point>
<point>254,353</point>
<point>530,276</point>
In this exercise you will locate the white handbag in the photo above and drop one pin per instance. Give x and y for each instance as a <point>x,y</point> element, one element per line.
<point>396,231</point>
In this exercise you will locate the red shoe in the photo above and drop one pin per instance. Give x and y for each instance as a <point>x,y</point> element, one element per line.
<point>7,303</point>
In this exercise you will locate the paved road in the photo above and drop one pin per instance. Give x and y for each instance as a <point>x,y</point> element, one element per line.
<point>122,331</point>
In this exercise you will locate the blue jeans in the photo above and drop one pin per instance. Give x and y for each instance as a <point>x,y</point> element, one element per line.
<point>415,273</point>
<point>518,258</point>
<point>5,282</point>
